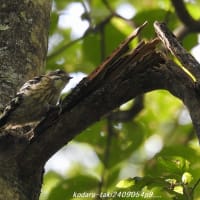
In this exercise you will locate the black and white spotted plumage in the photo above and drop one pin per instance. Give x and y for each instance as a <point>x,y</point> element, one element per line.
<point>34,99</point>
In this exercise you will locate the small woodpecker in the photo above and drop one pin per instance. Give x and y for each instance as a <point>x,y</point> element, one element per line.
<point>34,99</point>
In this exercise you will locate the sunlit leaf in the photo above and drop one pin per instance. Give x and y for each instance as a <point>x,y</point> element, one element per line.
<point>125,183</point>
<point>178,189</point>
<point>187,178</point>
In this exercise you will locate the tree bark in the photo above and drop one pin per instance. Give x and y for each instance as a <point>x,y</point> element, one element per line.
<point>23,48</point>
<point>23,43</point>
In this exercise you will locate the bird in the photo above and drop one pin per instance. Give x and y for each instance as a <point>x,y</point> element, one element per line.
<point>34,99</point>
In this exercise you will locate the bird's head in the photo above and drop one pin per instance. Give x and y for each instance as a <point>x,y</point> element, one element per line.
<point>60,78</point>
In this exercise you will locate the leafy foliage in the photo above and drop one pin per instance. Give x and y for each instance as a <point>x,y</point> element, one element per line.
<point>154,155</point>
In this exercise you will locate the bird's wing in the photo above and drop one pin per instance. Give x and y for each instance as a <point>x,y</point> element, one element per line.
<point>30,89</point>
<point>14,103</point>
<point>17,100</point>
<point>33,82</point>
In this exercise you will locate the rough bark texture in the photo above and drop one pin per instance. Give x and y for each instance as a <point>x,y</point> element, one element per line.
<point>23,46</point>
<point>23,43</point>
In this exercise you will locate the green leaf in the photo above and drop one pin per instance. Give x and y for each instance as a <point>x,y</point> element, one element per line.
<point>94,134</point>
<point>184,152</point>
<point>134,134</point>
<point>60,4</point>
<point>51,179</point>
<point>54,22</point>
<point>193,9</point>
<point>152,15</point>
<point>113,37</point>
<point>91,49</point>
<point>190,41</point>
<point>178,189</point>
<point>187,178</point>
<point>93,43</point>
<point>73,188</point>
<point>128,138</point>
<point>144,4</point>
<point>174,165</point>
<point>125,183</point>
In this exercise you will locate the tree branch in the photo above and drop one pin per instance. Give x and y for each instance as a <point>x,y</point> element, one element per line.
<point>172,44</point>
<point>191,96</point>
<point>124,116</point>
<point>192,24</point>
<point>90,30</point>
<point>102,79</point>
<point>120,78</point>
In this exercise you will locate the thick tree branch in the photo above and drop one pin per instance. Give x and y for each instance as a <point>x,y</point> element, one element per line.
<point>172,44</point>
<point>192,24</point>
<point>139,71</point>
<point>123,76</point>
<point>152,72</point>
<point>95,86</point>
<point>116,91</point>
<point>191,96</point>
